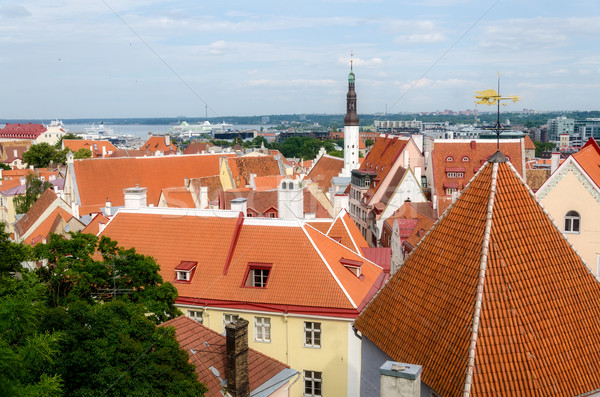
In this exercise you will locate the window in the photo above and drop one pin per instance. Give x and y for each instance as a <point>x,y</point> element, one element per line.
<point>451,174</point>
<point>312,383</point>
<point>258,274</point>
<point>183,276</point>
<point>228,319</point>
<point>465,158</point>
<point>262,329</point>
<point>449,158</point>
<point>271,215</point>
<point>195,315</point>
<point>572,220</point>
<point>312,334</point>
<point>450,191</point>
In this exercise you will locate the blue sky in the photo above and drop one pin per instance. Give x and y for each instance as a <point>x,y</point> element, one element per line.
<point>144,58</point>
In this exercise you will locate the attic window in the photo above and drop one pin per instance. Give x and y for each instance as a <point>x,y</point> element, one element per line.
<point>185,271</point>
<point>352,265</point>
<point>257,275</point>
<point>449,158</point>
<point>466,158</point>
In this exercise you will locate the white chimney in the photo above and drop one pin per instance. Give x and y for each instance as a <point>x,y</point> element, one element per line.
<point>103,151</point>
<point>167,140</point>
<point>135,197</point>
<point>108,207</point>
<point>204,197</point>
<point>434,201</point>
<point>15,153</point>
<point>290,197</point>
<point>22,180</point>
<point>240,204</point>
<point>101,226</point>
<point>400,380</point>
<point>554,162</point>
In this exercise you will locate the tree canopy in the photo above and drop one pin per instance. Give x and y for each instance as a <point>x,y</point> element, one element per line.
<point>42,155</point>
<point>84,323</point>
<point>34,189</point>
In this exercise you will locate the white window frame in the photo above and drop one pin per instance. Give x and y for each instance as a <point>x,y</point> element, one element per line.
<point>258,277</point>
<point>313,380</point>
<point>572,222</point>
<point>229,318</point>
<point>196,315</point>
<point>450,191</point>
<point>312,332</point>
<point>262,329</point>
<point>183,275</point>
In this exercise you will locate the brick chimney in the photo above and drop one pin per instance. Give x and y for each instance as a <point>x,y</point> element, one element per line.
<point>238,382</point>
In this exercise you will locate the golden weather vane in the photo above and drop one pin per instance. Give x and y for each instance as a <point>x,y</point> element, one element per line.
<point>493,97</point>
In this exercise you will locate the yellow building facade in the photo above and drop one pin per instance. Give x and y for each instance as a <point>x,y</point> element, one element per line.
<point>335,354</point>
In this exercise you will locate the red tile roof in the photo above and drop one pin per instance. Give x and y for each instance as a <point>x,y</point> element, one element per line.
<point>215,188</point>
<point>178,197</point>
<point>52,224</point>
<point>529,145</point>
<point>493,300</point>
<point>94,226</point>
<point>155,143</point>
<point>210,351</point>
<point>22,131</point>
<point>381,158</point>
<point>261,201</point>
<point>326,167</point>
<point>197,147</point>
<point>242,167</point>
<point>94,146</point>
<point>98,179</point>
<point>589,159</point>
<point>306,273</point>
<point>346,230</point>
<point>263,183</point>
<point>470,155</point>
<point>36,210</point>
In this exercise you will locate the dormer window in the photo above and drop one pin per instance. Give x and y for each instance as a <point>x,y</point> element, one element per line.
<point>449,158</point>
<point>352,265</point>
<point>185,271</point>
<point>465,158</point>
<point>257,275</point>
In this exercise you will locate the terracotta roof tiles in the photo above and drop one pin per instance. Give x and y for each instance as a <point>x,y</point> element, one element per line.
<point>242,167</point>
<point>381,158</point>
<point>589,159</point>
<point>159,143</point>
<point>178,197</point>
<point>96,147</point>
<point>36,210</point>
<point>211,351</point>
<point>326,168</point>
<point>493,301</point>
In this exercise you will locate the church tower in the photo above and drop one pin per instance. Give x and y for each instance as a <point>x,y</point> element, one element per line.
<point>351,135</point>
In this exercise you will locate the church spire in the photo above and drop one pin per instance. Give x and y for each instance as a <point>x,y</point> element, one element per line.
<point>351,117</point>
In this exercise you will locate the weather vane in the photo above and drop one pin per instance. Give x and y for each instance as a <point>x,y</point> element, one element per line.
<point>493,97</point>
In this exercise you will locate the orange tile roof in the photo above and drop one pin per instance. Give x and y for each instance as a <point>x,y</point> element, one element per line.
<point>178,197</point>
<point>493,300</point>
<point>211,351</point>
<point>536,178</point>
<point>346,230</point>
<point>215,188</point>
<point>242,167</point>
<point>529,145</point>
<point>589,159</point>
<point>422,213</point>
<point>155,143</point>
<point>381,158</point>
<point>197,147</point>
<point>48,225</point>
<point>94,226</point>
<point>322,225</point>
<point>306,272</point>
<point>98,179</point>
<point>6,184</point>
<point>477,152</point>
<point>261,201</point>
<point>325,168</point>
<point>131,153</point>
<point>271,182</point>
<point>94,146</point>
<point>36,210</point>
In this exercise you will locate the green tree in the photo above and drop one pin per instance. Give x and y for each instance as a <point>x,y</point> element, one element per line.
<point>541,147</point>
<point>4,166</point>
<point>69,135</point>
<point>11,254</point>
<point>41,155</point>
<point>35,187</point>
<point>82,153</point>
<point>369,142</point>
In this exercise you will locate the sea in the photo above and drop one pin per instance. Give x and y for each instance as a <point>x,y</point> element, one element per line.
<point>142,130</point>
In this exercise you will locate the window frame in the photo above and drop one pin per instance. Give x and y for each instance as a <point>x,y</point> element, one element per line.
<point>262,327</point>
<point>250,276</point>
<point>233,318</point>
<point>311,333</point>
<point>183,275</point>
<point>195,317</point>
<point>572,222</point>
<point>315,378</point>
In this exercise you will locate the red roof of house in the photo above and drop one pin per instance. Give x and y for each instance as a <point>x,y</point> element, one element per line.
<point>305,275</point>
<point>213,183</point>
<point>529,145</point>
<point>470,155</point>
<point>210,350</point>
<point>381,158</point>
<point>22,131</point>
<point>36,210</point>
<point>493,301</point>
<point>94,146</point>
<point>49,225</point>
<point>98,179</point>
<point>94,226</point>
<point>325,168</point>
<point>197,147</point>
<point>346,230</point>
<point>242,167</point>
<point>262,201</point>
<point>270,182</point>
<point>589,159</point>
<point>178,197</point>
<point>155,143</point>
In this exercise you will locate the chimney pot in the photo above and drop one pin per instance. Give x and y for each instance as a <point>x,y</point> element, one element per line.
<point>238,381</point>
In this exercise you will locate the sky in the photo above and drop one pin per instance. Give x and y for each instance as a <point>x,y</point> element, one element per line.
<point>144,58</point>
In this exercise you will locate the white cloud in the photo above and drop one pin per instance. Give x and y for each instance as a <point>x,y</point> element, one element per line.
<point>368,63</point>
<point>292,83</point>
<point>422,38</point>
<point>559,71</point>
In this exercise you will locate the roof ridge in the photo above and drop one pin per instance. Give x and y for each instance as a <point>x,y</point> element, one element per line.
<point>327,265</point>
<point>481,281</point>
<point>349,235</point>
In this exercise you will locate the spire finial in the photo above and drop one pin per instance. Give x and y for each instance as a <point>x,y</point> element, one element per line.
<point>351,59</point>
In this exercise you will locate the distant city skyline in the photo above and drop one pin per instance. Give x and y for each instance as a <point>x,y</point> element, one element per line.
<point>145,58</point>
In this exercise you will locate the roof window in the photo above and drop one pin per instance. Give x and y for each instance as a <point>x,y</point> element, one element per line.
<point>449,158</point>
<point>185,271</point>
<point>353,266</point>
<point>257,275</point>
